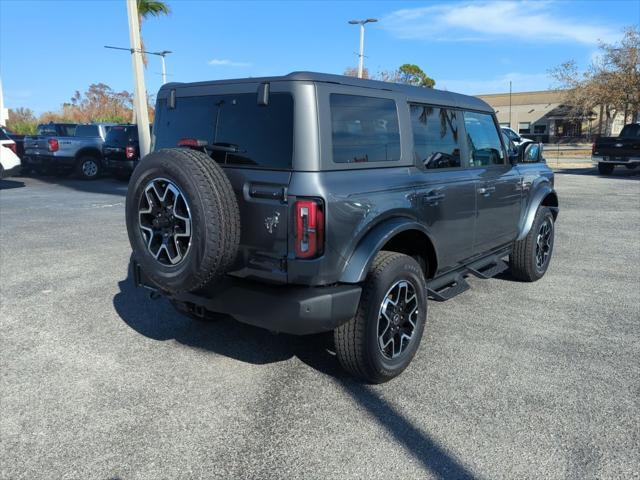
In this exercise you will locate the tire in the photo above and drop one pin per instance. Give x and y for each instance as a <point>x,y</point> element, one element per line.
<point>358,348</point>
<point>198,189</point>
<point>89,168</point>
<point>605,168</point>
<point>524,261</point>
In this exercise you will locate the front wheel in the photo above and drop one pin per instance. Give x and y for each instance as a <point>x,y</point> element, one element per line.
<point>382,339</point>
<point>89,168</point>
<point>531,256</point>
<point>605,168</point>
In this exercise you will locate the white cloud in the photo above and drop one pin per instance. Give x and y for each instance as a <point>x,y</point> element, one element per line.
<point>223,62</point>
<point>521,82</point>
<point>494,20</point>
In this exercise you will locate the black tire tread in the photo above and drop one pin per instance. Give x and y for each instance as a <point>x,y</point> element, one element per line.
<point>520,263</point>
<point>349,337</point>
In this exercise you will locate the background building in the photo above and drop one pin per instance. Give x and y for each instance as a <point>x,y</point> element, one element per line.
<point>542,116</point>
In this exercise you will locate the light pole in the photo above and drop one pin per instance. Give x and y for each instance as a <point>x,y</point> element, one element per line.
<point>362,24</point>
<point>161,54</point>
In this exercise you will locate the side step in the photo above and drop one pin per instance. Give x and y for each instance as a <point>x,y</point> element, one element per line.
<point>458,286</point>
<point>453,283</point>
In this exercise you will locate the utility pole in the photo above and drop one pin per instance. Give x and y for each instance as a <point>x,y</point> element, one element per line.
<point>140,91</point>
<point>362,24</point>
<point>161,54</point>
<point>510,104</point>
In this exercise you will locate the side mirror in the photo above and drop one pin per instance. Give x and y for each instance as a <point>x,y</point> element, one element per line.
<point>530,152</point>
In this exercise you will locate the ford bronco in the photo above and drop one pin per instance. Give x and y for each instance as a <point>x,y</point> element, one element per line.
<point>313,202</point>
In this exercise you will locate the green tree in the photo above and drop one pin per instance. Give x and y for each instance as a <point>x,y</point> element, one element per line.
<point>22,121</point>
<point>413,75</point>
<point>146,9</point>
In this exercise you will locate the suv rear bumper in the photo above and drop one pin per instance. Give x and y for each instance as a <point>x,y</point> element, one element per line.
<point>120,165</point>
<point>293,309</point>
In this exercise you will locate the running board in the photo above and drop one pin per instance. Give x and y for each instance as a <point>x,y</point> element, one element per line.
<point>454,283</point>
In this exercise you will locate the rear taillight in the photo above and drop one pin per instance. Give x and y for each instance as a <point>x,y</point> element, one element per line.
<point>593,148</point>
<point>192,143</point>
<point>309,224</point>
<point>12,147</point>
<point>130,152</point>
<point>53,145</point>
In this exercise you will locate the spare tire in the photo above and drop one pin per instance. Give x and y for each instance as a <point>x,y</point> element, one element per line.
<point>183,219</point>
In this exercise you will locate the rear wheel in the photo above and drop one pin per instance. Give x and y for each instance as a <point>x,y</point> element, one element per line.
<point>605,168</point>
<point>531,256</point>
<point>382,339</point>
<point>89,168</point>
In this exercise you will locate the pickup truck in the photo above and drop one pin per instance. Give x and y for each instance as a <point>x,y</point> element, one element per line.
<point>67,148</point>
<point>607,152</point>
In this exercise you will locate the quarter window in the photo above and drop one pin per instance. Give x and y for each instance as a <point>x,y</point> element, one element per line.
<point>435,136</point>
<point>484,143</point>
<point>524,127</point>
<point>364,129</point>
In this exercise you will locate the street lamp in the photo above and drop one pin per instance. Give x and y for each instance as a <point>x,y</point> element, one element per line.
<point>161,54</point>
<point>362,24</point>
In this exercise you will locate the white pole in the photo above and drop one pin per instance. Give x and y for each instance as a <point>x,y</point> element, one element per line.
<point>361,64</point>
<point>164,70</point>
<point>140,92</point>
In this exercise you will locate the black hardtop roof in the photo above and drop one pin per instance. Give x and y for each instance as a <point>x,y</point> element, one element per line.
<point>418,94</point>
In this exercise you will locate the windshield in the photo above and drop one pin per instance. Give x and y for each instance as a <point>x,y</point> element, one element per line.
<point>237,130</point>
<point>121,136</point>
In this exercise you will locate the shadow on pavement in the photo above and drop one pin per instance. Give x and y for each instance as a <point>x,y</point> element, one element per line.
<point>6,184</point>
<point>156,319</point>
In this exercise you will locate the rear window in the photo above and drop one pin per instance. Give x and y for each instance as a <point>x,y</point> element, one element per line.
<point>364,129</point>
<point>237,130</point>
<point>87,131</point>
<point>630,131</point>
<point>121,136</point>
<point>3,135</point>
<point>51,129</point>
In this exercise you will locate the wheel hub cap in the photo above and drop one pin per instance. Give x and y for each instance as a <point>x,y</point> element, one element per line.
<point>397,319</point>
<point>544,241</point>
<point>165,221</point>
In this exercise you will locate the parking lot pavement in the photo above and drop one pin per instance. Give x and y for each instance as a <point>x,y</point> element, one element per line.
<point>512,380</point>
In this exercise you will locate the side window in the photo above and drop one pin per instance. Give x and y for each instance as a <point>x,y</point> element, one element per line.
<point>87,131</point>
<point>364,129</point>
<point>484,143</point>
<point>436,141</point>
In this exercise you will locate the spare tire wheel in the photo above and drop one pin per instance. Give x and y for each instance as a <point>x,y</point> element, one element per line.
<point>183,219</point>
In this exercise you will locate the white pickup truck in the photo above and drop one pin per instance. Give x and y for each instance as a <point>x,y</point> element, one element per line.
<point>65,148</point>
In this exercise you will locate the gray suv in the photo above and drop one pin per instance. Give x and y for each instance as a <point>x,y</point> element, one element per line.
<point>312,202</point>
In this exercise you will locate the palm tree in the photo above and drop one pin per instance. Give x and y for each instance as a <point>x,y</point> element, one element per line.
<point>146,9</point>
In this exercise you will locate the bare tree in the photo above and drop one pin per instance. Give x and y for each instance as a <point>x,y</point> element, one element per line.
<point>612,81</point>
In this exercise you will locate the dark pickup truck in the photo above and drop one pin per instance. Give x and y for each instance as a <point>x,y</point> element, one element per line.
<point>607,152</point>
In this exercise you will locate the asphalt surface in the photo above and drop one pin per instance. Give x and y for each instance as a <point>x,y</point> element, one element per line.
<point>512,380</point>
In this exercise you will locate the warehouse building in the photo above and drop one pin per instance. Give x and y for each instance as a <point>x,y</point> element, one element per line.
<point>543,117</point>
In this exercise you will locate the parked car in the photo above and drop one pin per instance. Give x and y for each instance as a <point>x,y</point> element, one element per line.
<point>607,152</point>
<point>515,137</point>
<point>19,139</point>
<point>311,202</point>
<point>78,150</point>
<point>9,160</point>
<point>121,150</point>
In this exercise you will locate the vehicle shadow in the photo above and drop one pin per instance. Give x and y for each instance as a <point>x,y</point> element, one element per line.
<point>6,184</point>
<point>103,185</point>
<point>158,320</point>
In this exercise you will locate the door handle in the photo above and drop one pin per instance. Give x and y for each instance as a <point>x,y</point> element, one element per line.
<point>432,198</point>
<point>486,191</point>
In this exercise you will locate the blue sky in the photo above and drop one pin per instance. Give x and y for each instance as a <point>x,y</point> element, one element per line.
<point>49,49</point>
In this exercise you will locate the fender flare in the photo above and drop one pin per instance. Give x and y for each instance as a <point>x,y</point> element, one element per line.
<point>357,267</point>
<point>538,199</point>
